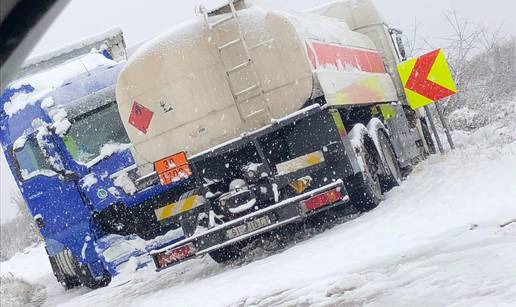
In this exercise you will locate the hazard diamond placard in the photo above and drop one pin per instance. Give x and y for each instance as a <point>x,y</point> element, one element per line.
<point>426,79</point>
<point>140,117</point>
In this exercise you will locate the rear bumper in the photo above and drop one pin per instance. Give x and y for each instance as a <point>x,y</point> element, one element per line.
<point>285,212</point>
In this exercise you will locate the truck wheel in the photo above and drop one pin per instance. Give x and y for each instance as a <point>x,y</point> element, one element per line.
<point>392,176</point>
<point>226,254</point>
<point>71,274</point>
<point>368,194</point>
<point>89,281</point>
<point>68,282</point>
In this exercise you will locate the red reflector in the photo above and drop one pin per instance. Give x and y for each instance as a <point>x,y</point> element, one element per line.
<point>174,255</point>
<point>322,200</point>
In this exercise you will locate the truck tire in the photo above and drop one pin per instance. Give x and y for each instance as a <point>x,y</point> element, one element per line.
<point>88,280</point>
<point>67,281</point>
<point>71,274</point>
<point>392,176</point>
<point>368,194</point>
<point>226,254</point>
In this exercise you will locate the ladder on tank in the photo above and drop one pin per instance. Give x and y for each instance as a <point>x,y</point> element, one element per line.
<point>254,90</point>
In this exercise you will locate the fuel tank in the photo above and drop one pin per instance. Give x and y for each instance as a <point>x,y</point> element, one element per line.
<point>215,77</point>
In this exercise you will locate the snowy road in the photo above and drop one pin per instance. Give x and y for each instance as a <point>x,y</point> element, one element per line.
<point>444,237</point>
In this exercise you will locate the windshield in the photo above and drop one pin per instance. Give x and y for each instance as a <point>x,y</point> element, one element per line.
<point>91,131</point>
<point>31,160</point>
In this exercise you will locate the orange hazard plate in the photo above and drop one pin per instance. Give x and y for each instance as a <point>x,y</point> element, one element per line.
<point>173,168</point>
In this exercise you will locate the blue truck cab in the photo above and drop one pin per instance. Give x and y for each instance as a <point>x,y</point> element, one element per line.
<point>70,155</point>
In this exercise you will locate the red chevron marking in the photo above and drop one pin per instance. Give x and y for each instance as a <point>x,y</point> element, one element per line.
<point>418,80</point>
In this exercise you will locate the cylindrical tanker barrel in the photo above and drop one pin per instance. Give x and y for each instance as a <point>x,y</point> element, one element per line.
<point>207,81</point>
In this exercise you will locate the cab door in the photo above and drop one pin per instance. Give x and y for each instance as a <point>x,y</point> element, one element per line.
<point>51,195</point>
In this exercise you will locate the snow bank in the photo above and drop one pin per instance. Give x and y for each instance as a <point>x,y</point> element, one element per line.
<point>436,240</point>
<point>17,292</point>
<point>31,269</point>
<point>30,265</point>
<point>445,237</point>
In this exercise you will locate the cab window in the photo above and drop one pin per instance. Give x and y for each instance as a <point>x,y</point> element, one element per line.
<point>91,131</point>
<point>31,160</point>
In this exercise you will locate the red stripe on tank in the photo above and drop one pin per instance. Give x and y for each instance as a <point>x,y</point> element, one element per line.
<point>343,57</point>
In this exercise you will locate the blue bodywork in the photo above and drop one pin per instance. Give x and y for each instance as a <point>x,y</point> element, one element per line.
<point>64,204</point>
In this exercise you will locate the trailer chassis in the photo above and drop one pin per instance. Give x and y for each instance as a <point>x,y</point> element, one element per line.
<point>286,212</point>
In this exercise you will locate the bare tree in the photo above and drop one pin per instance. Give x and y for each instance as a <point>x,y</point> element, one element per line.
<point>462,45</point>
<point>416,43</point>
<point>19,233</point>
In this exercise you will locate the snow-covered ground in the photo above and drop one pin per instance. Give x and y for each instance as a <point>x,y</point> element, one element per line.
<point>446,237</point>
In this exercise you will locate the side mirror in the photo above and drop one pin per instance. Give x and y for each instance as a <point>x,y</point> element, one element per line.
<point>49,149</point>
<point>401,47</point>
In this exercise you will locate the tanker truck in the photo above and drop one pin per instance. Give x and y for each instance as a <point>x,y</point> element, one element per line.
<point>270,116</point>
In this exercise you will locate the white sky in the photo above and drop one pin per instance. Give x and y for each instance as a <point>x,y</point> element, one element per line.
<point>140,19</point>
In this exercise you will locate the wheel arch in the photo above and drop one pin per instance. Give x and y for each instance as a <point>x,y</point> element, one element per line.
<point>361,135</point>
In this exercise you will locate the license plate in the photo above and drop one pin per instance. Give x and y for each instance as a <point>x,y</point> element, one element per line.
<point>248,227</point>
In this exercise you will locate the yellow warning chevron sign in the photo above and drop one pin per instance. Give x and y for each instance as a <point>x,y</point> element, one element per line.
<point>178,207</point>
<point>426,79</point>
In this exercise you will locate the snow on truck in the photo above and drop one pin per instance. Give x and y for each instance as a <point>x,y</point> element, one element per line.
<point>67,148</point>
<point>241,121</point>
<point>271,116</point>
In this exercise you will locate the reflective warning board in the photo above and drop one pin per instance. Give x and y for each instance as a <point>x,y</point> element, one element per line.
<point>426,79</point>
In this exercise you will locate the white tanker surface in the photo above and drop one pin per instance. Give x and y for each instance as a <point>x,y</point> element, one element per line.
<point>199,85</point>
